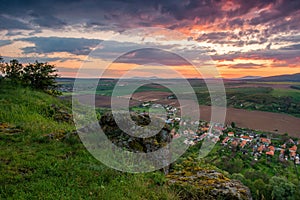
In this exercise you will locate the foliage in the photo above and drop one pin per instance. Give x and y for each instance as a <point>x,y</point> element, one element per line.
<point>12,71</point>
<point>297,87</point>
<point>267,178</point>
<point>233,124</point>
<point>37,75</point>
<point>282,189</point>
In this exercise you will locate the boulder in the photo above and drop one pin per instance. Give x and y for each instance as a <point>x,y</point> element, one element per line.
<point>195,182</point>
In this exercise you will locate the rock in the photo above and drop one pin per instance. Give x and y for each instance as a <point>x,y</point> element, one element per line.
<point>198,183</point>
<point>9,129</point>
<point>131,143</point>
<point>59,114</point>
<point>60,135</point>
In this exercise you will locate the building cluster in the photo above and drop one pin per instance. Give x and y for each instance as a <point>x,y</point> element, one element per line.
<point>258,144</point>
<point>246,141</point>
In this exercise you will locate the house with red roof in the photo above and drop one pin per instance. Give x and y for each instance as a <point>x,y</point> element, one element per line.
<point>225,140</point>
<point>261,148</point>
<point>246,137</point>
<point>231,134</point>
<point>271,148</point>
<point>293,149</point>
<point>292,154</point>
<point>203,136</point>
<point>244,142</point>
<point>265,141</point>
<point>271,151</point>
<point>204,129</point>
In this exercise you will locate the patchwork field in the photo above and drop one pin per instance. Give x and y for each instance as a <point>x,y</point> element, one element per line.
<point>266,106</point>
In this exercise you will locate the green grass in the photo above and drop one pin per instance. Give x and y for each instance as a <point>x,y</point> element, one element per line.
<point>34,166</point>
<point>295,94</point>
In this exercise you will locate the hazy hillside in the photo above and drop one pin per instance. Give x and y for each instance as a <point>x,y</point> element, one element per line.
<point>281,78</point>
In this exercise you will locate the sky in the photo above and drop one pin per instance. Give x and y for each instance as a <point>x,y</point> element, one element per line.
<point>241,38</point>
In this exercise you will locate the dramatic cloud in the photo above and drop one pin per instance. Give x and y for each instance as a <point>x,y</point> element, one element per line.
<point>78,46</point>
<point>228,29</point>
<point>9,23</point>
<point>245,65</point>
<point>5,42</point>
<point>116,13</point>
<point>292,47</point>
<point>153,56</point>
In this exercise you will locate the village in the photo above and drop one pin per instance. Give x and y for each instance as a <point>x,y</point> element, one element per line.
<point>248,142</point>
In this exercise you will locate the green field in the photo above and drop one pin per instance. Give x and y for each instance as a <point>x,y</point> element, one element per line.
<point>238,94</point>
<point>293,93</point>
<point>277,83</point>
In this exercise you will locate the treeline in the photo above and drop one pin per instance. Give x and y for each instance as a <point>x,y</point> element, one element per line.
<point>263,187</point>
<point>36,75</point>
<point>297,87</point>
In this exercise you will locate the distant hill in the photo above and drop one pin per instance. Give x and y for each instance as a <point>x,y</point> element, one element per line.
<point>281,78</point>
<point>143,78</point>
<point>63,79</point>
<point>248,78</point>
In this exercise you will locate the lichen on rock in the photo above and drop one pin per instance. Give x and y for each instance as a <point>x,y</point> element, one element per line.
<point>195,182</point>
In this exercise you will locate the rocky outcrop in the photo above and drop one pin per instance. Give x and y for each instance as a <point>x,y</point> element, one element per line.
<point>59,113</point>
<point>131,143</point>
<point>195,182</point>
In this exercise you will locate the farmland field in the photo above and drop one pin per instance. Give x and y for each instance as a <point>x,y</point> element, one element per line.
<point>266,106</point>
<point>295,94</point>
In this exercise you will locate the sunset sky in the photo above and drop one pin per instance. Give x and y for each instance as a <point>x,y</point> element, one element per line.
<point>242,37</point>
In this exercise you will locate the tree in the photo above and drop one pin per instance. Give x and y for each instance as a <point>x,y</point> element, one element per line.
<point>233,124</point>
<point>1,65</point>
<point>260,189</point>
<point>37,75</point>
<point>282,188</point>
<point>232,166</point>
<point>1,60</point>
<point>239,177</point>
<point>12,71</point>
<point>40,76</point>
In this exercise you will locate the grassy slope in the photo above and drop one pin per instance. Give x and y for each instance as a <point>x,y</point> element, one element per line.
<point>33,166</point>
